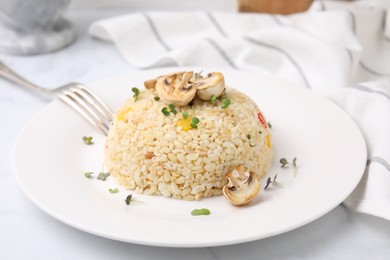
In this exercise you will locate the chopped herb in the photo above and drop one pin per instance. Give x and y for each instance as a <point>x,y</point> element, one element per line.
<point>185,115</point>
<point>260,132</point>
<point>269,124</point>
<point>136,93</point>
<point>103,176</point>
<point>129,199</point>
<point>156,98</point>
<point>198,74</point>
<point>88,175</point>
<point>198,212</point>
<point>248,136</point>
<point>113,190</point>
<point>225,103</point>
<point>88,140</point>
<point>213,99</point>
<point>165,111</point>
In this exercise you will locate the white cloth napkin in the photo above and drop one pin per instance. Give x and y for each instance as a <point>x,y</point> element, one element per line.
<point>330,48</point>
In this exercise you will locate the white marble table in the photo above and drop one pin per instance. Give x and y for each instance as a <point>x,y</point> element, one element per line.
<point>26,232</point>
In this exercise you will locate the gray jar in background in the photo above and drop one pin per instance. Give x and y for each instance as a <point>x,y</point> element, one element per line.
<point>33,26</point>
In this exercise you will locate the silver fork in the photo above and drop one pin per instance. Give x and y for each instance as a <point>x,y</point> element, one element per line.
<point>75,95</point>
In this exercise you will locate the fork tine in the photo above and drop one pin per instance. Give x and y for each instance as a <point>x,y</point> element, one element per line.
<point>83,109</point>
<point>93,99</point>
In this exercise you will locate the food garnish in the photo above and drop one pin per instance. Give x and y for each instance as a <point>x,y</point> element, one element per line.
<point>128,199</point>
<point>88,175</point>
<point>225,103</point>
<point>136,93</point>
<point>211,85</point>
<point>213,99</point>
<point>180,88</point>
<point>284,162</point>
<point>156,98</point>
<point>243,186</point>
<point>88,140</point>
<point>165,111</point>
<point>113,190</point>
<point>172,108</point>
<point>103,176</point>
<point>249,138</point>
<point>269,124</point>
<point>194,122</point>
<point>198,74</point>
<point>273,182</point>
<point>198,212</point>
<point>176,88</point>
<point>185,115</point>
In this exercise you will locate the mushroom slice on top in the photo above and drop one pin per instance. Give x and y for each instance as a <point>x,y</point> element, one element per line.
<point>150,84</point>
<point>176,88</point>
<point>211,85</point>
<point>243,186</point>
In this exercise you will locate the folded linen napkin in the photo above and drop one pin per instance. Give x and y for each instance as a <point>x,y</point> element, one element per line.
<point>330,48</point>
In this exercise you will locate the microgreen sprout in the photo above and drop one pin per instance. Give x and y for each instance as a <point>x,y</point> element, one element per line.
<point>88,140</point>
<point>269,124</point>
<point>156,98</point>
<point>185,115</point>
<point>172,108</point>
<point>198,74</point>
<point>136,93</point>
<point>198,212</point>
<point>165,111</point>
<point>284,162</point>
<point>213,99</point>
<point>88,175</point>
<point>273,182</point>
<point>113,190</point>
<point>225,103</point>
<point>103,176</point>
<point>130,199</point>
<point>194,122</point>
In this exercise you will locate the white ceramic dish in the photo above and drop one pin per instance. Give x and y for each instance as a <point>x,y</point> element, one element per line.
<point>49,159</point>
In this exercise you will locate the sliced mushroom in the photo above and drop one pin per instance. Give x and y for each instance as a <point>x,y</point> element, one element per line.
<point>243,186</point>
<point>150,84</point>
<point>211,85</point>
<point>176,88</point>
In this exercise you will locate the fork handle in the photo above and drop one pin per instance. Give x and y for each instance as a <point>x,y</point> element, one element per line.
<point>12,76</point>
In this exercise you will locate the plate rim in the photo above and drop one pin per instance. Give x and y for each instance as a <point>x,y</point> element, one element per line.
<point>184,245</point>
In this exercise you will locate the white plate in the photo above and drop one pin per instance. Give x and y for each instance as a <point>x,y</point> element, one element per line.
<point>49,159</point>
